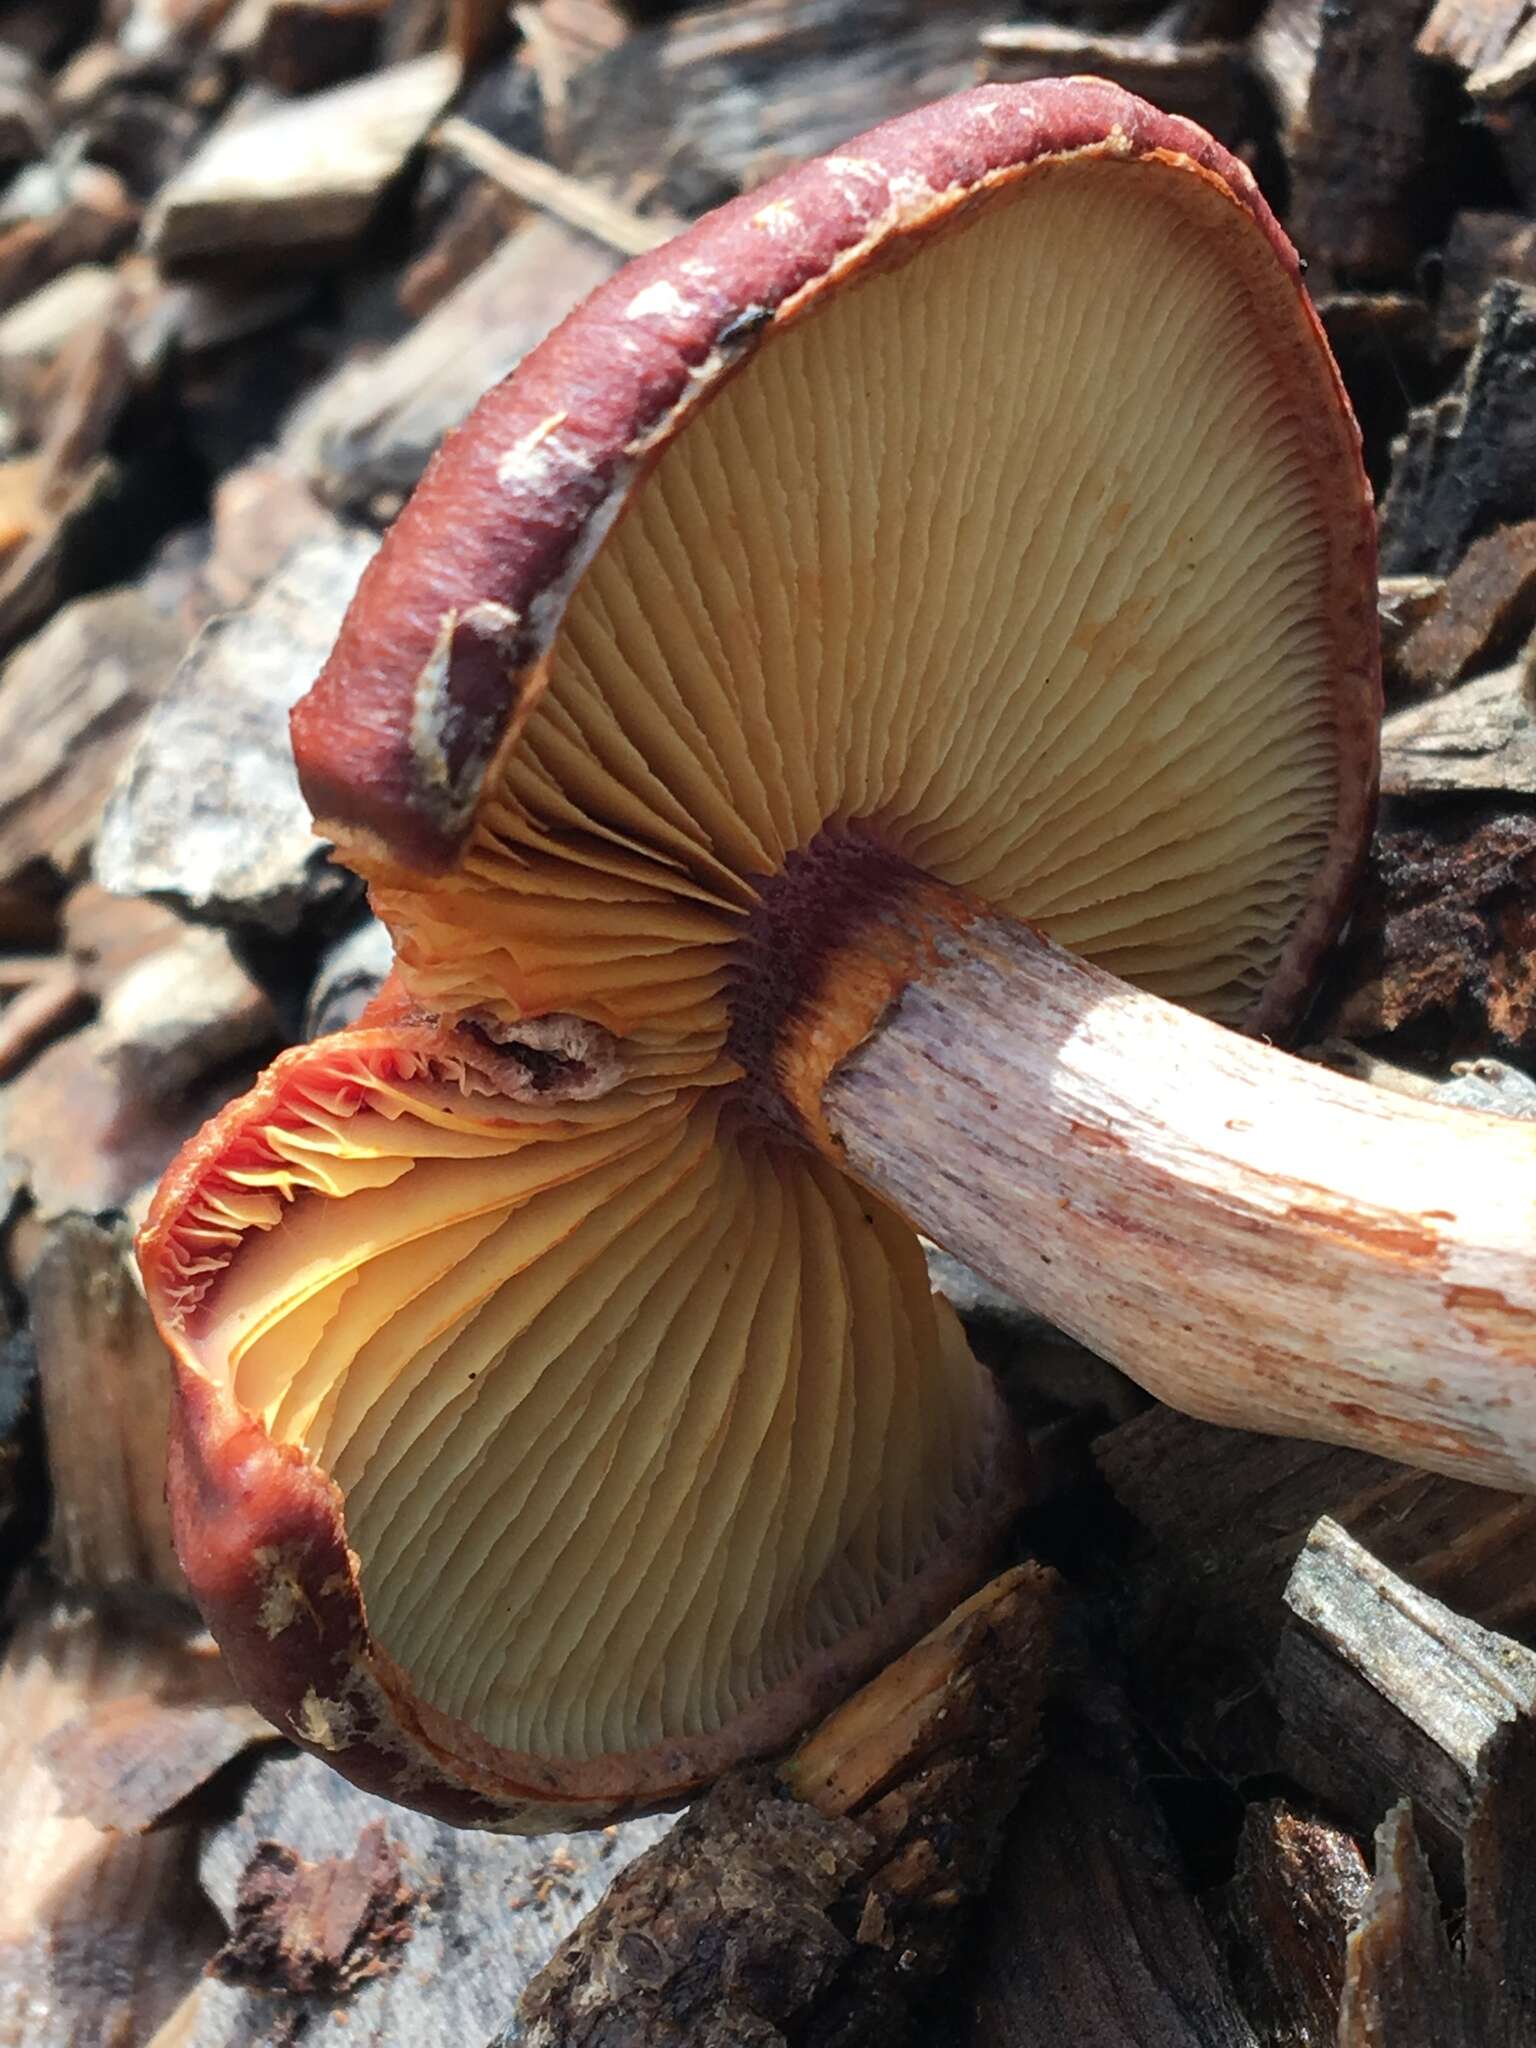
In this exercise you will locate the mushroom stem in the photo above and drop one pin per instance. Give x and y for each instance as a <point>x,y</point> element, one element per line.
<point>1256,1240</point>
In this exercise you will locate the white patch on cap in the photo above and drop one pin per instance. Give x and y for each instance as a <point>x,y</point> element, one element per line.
<point>659,298</point>
<point>530,458</point>
<point>853,170</point>
<point>778,217</point>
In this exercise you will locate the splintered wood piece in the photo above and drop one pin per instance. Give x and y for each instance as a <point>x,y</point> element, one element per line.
<point>1090,1935</point>
<point>1403,1989</point>
<point>734,1924</point>
<point>577,203</point>
<point>105,1383</point>
<point>1500,1927</point>
<point>307,174</point>
<point>1384,1691</point>
<point>1284,1920</point>
<point>1481,737</point>
<point>101,1936</point>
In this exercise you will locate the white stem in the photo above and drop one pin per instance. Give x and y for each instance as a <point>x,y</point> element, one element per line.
<point>1255,1239</point>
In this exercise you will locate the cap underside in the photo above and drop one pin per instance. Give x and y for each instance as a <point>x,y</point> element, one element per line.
<point>1013,555</point>
<point>635,1417</point>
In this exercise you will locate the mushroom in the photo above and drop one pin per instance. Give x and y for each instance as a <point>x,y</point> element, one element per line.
<point>838,738</point>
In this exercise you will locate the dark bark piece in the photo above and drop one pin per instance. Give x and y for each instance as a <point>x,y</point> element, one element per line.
<point>1385,1692</point>
<point>1284,1920</point>
<point>1403,1989</point>
<point>1480,248</point>
<point>320,1929</point>
<point>1487,608</point>
<point>1231,1511</point>
<point>1208,82</point>
<point>499,1904</point>
<point>1223,1516</point>
<point>727,1933</point>
<point>1363,136</point>
<point>207,813</point>
<point>1467,463</point>
<point>306,44</point>
<point>1090,1934</point>
<point>721,98</point>
<point>812,1909</point>
<point>1480,738</point>
<point>1442,949</point>
<point>1500,1928</point>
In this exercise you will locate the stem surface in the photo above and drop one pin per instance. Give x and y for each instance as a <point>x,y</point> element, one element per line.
<point>1253,1238</point>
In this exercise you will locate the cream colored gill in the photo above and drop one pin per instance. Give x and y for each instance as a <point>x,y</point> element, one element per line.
<point>1014,551</point>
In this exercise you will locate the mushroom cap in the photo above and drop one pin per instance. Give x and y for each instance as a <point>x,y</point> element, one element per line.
<point>550,1432</point>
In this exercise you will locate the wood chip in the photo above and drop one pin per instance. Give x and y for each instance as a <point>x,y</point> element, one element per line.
<point>71,704</point>
<point>102,1936</point>
<point>133,1762</point>
<point>1091,1935</point>
<point>303,176</point>
<point>207,811</point>
<point>1470,33</point>
<point>364,437</point>
<point>1480,248</point>
<point>1481,737</point>
<point>1285,1918</point>
<point>1487,608</point>
<point>1209,82</point>
<point>1403,1989</point>
<point>319,1929</point>
<point>1385,1692</point>
<point>1365,132</point>
<point>105,1388</point>
<point>732,1929</point>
